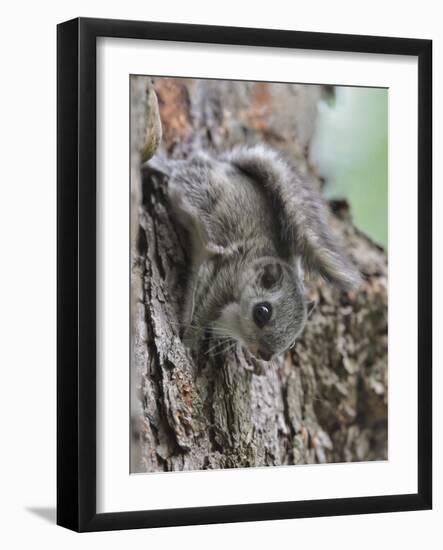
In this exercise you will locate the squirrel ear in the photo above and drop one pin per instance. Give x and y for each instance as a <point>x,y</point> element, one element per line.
<point>304,217</point>
<point>270,275</point>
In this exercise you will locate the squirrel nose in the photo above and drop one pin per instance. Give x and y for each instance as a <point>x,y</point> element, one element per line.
<point>265,355</point>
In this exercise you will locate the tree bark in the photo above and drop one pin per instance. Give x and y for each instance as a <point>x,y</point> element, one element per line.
<point>325,400</point>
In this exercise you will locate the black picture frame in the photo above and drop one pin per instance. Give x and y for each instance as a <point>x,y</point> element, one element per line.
<point>76,273</point>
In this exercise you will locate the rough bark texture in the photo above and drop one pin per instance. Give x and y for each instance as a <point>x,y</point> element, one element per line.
<point>325,400</point>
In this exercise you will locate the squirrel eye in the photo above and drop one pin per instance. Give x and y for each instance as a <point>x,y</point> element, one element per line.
<point>262,313</point>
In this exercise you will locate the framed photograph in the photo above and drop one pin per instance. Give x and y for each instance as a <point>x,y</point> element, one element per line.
<point>244,274</point>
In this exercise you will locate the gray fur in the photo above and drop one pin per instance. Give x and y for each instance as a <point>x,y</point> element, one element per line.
<point>303,220</point>
<point>248,213</point>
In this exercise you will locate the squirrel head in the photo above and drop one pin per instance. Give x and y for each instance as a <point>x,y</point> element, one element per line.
<point>270,308</point>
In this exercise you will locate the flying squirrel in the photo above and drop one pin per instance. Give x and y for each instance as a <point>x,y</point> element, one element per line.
<point>255,227</point>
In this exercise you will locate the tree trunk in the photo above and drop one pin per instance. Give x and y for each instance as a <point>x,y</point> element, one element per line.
<point>325,400</point>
